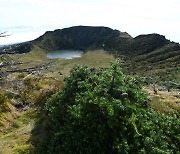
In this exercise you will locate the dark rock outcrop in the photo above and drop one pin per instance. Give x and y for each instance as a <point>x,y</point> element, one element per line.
<point>147,43</point>
<point>16,48</point>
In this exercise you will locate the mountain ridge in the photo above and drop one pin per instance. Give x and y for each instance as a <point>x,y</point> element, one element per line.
<point>151,47</point>
<point>78,37</point>
<point>79,33</point>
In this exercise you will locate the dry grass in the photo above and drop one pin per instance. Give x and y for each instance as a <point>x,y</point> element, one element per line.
<point>15,139</point>
<point>96,58</point>
<point>164,101</point>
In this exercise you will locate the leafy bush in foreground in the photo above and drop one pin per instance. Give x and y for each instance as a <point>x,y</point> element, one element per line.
<point>105,111</point>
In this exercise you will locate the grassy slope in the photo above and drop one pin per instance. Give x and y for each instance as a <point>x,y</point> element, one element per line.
<point>162,72</point>
<point>15,137</point>
<point>164,101</point>
<point>162,64</point>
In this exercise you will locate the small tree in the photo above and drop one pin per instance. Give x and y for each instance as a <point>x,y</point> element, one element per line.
<point>3,34</point>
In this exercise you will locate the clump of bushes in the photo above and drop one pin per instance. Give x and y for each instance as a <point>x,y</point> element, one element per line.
<point>105,111</point>
<point>37,90</point>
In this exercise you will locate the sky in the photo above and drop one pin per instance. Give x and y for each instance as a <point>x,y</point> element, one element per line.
<point>26,20</point>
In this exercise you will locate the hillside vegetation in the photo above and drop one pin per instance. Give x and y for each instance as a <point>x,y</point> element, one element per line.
<point>86,99</point>
<point>105,111</point>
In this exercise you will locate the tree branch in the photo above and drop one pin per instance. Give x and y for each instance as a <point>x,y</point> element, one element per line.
<point>3,34</point>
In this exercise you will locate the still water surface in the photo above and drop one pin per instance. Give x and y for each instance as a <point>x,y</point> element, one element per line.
<point>67,54</point>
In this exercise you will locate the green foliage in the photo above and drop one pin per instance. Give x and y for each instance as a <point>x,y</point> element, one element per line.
<point>3,98</point>
<point>3,103</point>
<point>105,111</point>
<point>22,149</point>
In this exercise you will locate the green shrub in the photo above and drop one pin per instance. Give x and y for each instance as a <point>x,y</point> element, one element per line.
<point>3,103</point>
<point>3,98</point>
<point>105,111</point>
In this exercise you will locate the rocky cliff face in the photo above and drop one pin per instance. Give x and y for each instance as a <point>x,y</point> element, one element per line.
<point>79,37</point>
<point>16,48</point>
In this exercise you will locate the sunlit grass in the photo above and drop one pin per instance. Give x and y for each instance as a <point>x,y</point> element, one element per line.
<point>164,101</point>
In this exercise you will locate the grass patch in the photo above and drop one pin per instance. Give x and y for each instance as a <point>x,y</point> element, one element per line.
<point>164,101</point>
<point>15,139</point>
<point>22,149</point>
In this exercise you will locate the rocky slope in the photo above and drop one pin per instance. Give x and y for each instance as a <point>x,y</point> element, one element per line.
<point>16,48</point>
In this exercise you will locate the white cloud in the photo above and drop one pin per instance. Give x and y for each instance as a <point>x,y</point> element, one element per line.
<point>20,37</point>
